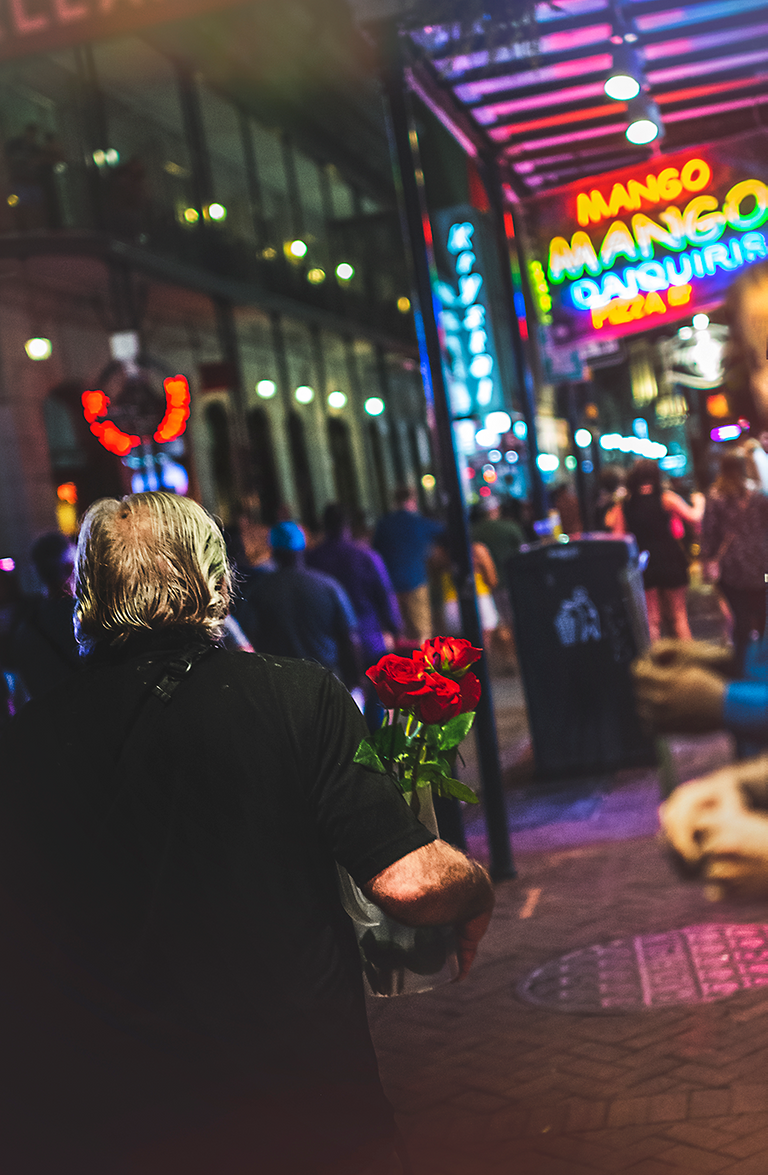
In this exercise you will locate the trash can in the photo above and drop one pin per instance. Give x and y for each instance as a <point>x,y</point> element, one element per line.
<point>579,615</point>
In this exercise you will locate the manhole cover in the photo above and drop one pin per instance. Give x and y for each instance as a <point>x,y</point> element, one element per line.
<point>695,965</point>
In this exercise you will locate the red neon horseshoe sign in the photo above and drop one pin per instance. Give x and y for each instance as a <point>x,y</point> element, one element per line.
<point>95,405</point>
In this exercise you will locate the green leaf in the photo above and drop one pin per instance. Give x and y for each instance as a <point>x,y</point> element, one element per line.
<point>387,743</point>
<point>366,755</point>
<point>457,789</point>
<point>456,729</point>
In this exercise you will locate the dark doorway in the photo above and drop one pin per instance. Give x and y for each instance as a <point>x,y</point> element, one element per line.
<point>301,474</point>
<point>378,466</point>
<point>263,469</point>
<point>221,460</point>
<point>344,476</point>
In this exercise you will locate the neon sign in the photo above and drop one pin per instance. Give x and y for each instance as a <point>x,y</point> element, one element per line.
<point>96,404</point>
<point>471,360</point>
<point>649,243</point>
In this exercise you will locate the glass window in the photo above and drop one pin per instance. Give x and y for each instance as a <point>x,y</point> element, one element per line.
<point>275,206</point>
<point>311,197</point>
<point>258,356</point>
<point>42,170</point>
<point>221,126</point>
<point>146,169</point>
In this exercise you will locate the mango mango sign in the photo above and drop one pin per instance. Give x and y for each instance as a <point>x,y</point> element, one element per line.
<point>633,249</point>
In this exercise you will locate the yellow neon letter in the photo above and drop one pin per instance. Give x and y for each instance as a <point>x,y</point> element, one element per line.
<point>590,209</point>
<point>649,191</point>
<point>732,205</point>
<point>618,241</point>
<point>700,227</point>
<point>647,231</point>
<point>573,259</point>
<point>669,185</point>
<point>695,175</point>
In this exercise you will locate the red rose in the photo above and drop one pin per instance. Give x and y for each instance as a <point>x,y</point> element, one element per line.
<point>439,700</point>
<point>450,654</point>
<point>470,690</point>
<point>394,678</point>
<point>405,684</point>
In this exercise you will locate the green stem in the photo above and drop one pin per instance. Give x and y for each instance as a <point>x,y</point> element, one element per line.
<point>420,747</point>
<point>395,721</point>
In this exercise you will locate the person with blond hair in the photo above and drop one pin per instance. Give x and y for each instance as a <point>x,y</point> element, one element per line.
<point>181,990</point>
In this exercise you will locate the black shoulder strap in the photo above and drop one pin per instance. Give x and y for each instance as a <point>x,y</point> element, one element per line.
<point>175,670</point>
<point>158,695</point>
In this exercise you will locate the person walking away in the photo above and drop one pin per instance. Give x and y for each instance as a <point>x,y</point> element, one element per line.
<point>182,991</point>
<point>403,538</point>
<point>363,575</point>
<point>734,549</point>
<point>486,581</point>
<point>298,612</point>
<point>40,646</point>
<point>648,511</point>
<point>503,538</point>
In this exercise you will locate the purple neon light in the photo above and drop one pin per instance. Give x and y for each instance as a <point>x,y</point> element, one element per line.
<point>726,432</point>
<point>695,14</point>
<point>472,91</point>
<point>455,66</point>
<point>674,73</point>
<point>715,108</point>
<point>458,134</point>
<point>487,114</point>
<point>706,41</point>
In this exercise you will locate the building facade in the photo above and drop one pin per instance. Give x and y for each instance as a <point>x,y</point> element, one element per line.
<point>209,198</point>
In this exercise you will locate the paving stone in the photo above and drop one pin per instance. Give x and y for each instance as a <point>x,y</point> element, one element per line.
<point>668,1107</point>
<point>628,1112</point>
<point>749,1098</point>
<point>584,1115</point>
<point>705,1103</point>
<point>695,1159</point>
<point>749,1144</point>
<point>746,1123</point>
<point>701,1135</point>
<point>652,1167</point>
<point>756,1165</point>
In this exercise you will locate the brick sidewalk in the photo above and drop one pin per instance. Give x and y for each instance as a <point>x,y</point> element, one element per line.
<point>485,1083</point>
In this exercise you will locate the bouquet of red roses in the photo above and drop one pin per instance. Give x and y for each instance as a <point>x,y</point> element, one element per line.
<point>431,698</point>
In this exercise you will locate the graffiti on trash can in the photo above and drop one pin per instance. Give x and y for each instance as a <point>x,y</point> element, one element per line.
<point>578,620</point>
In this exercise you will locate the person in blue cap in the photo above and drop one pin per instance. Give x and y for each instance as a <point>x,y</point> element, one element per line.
<point>297,612</point>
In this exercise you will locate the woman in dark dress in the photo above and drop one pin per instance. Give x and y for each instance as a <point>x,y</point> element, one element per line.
<point>648,512</point>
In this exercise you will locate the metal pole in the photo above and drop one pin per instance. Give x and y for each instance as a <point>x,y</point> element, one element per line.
<point>506,242</point>
<point>409,181</point>
<point>585,507</point>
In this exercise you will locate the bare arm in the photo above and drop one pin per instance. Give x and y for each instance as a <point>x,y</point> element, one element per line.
<point>674,504</point>
<point>437,885</point>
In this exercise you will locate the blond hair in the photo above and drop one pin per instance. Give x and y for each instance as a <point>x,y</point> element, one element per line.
<point>146,562</point>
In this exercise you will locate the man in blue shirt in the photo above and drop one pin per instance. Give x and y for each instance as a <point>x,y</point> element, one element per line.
<point>302,613</point>
<point>404,538</point>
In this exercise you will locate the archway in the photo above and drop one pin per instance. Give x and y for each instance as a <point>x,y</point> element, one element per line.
<point>301,474</point>
<point>263,467</point>
<point>344,473</point>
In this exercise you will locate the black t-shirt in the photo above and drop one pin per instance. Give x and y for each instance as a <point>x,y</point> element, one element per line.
<point>174,942</point>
